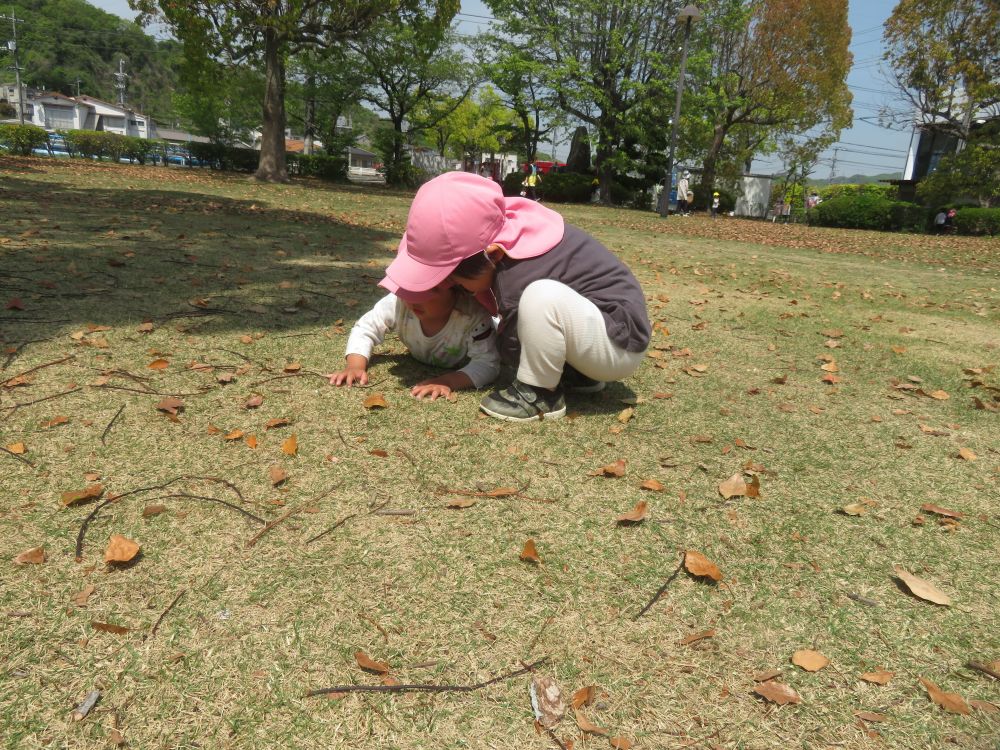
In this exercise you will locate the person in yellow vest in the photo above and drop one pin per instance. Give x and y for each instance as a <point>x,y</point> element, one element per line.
<point>531,183</point>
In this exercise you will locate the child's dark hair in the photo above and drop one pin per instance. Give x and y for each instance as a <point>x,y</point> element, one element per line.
<point>474,266</point>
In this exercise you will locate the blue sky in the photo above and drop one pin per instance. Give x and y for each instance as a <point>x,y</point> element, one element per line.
<point>865,148</point>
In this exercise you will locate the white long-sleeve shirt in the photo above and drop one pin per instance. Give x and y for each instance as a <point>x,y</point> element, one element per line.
<point>468,334</point>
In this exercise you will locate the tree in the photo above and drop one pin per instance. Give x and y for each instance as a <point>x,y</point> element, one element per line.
<point>410,62</point>
<point>477,126</point>
<point>266,33</point>
<point>974,172</point>
<point>219,100</point>
<point>517,77</point>
<point>774,67</point>
<point>945,59</point>
<point>600,59</point>
<point>323,87</point>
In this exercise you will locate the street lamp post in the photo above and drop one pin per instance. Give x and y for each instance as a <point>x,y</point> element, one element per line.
<point>688,15</point>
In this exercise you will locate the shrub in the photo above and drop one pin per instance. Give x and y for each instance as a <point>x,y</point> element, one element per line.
<point>512,183</point>
<point>330,168</point>
<point>875,189</point>
<point>138,149</point>
<point>703,198</point>
<point>88,143</point>
<point>22,139</point>
<point>237,159</point>
<point>978,221</point>
<point>212,154</point>
<point>566,187</point>
<point>869,210</point>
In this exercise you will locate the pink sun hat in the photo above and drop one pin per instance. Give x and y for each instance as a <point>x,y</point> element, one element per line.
<point>459,214</point>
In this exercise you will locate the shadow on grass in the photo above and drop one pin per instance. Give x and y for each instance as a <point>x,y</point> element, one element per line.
<point>72,256</point>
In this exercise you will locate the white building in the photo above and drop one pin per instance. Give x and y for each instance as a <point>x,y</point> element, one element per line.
<point>54,111</point>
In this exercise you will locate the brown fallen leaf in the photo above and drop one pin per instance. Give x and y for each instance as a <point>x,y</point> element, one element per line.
<point>770,674</point>
<point>234,435</point>
<point>158,364</point>
<point>870,716</point>
<point>939,395</point>
<point>625,415</point>
<point>546,701</point>
<point>733,487</point>
<point>698,565</point>
<point>253,402</point>
<point>617,469</point>
<point>146,327</point>
<point>938,510</point>
<point>529,553</point>
<point>153,510</point>
<point>950,702</point>
<point>695,637</point>
<point>985,706</point>
<point>55,422</point>
<point>369,664</point>
<point>120,550</point>
<point>464,502</point>
<point>375,401</point>
<point>278,475</point>
<point>92,492</point>
<point>107,627</point>
<point>621,743</point>
<point>777,692</point>
<point>293,367</point>
<point>33,556</point>
<point>855,509</point>
<point>967,454</point>
<point>652,485</point>
<point>588,726</point>
<point>584,696</point>
<point>251,441</point>
<point>278,422</point>
<point>379,453</point>
<point>921,588</point>
<point>638,514</point>
<point>18,449</point>
<point>878,677</point>
<point>809,660</point>
<point>170,405</point>
<point>290,446</point>
<point>80,597</point>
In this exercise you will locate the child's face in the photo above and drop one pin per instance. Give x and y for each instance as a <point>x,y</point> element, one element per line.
<point>436,307</point>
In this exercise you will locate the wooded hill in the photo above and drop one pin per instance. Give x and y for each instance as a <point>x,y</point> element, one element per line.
<point>62,41</point>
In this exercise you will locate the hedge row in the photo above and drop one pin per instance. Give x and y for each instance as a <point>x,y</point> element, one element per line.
<point>978,221</point>
<point>22,139</point>
<point>100,144</point>
<point>870,210</point>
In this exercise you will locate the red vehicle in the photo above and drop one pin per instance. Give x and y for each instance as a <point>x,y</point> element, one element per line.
<point>544,167</point>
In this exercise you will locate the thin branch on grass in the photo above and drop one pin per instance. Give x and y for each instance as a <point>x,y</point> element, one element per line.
<point>502,492</point>
<point>344,440</point>
<point>111,424</point>
<point>424,688</point>
<point>984,668</point>
<point>44,398</point>
<point>97,509</point>
<point>534,641</point>
<point>41,367</point>
<point>270,525</point>
<point>337,525</point>
<point>555,739</point>
<point>659,591</point>
<point>164,613</point>
<point>396,512</point>
<point>22,459</point>
<point>109,386</point>
<point>289,375</point>
<point>17,350</point>
<point>406,455</point>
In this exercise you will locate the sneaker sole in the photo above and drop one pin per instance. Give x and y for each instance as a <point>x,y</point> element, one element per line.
<point>558,414</point>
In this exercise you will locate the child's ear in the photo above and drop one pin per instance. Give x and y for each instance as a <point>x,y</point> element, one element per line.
<point>495,253</point>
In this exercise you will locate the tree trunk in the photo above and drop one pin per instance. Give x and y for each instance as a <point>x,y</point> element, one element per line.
<point>711,161</point>
<point>603,166</point>
<point>310,128</point>
<point>271,167</point>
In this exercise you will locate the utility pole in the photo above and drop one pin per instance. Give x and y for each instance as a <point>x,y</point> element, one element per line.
<point>120,78</point>
<point>833,164</point>
<point>78,82</point>
<point>12,46</point>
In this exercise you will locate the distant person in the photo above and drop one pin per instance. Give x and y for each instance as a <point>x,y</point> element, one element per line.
<point>949,220</point>
<point>683,190</point>
<point>813,200</point>
<point>531,183</point>
<point>715,204</point>
<point>940,219</point>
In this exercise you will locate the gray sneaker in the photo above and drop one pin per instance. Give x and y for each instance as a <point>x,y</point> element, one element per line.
<point>575,381</point>
<point>520,402</point>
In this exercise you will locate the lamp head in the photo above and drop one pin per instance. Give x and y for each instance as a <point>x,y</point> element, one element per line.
<point>690,13</point>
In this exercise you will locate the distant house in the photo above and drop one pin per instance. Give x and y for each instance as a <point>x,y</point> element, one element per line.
<point>360,161</point>
<point>54,111</point>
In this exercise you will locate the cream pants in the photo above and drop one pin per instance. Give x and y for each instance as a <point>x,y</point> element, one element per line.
<point>555,326</point>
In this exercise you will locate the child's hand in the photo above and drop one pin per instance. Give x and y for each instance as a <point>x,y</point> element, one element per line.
<point>348,376</point>
<point>432,391</point>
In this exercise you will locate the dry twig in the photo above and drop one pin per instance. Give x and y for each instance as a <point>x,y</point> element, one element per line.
<point>270,525</point>
<point>111,423</point>
<point>152,631</point>
<point>423,688</point>
<point>659,592</point>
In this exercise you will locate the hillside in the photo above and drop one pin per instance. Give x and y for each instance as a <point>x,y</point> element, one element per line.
<point>63,41</point>
<point>857,179</point>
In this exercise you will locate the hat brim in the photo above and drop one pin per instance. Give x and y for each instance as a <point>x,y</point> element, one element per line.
<point>410,275</point>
